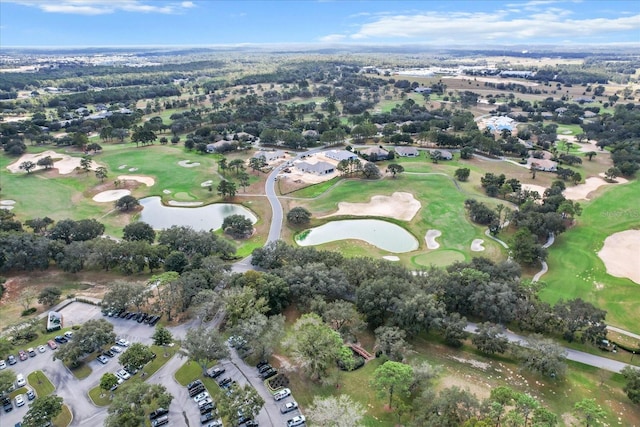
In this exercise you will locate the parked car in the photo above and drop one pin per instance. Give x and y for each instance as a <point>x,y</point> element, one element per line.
<point>122,342</point>
<point>196,390</point>
<point>6,404</point>
<point>261,364</point>
<point>154,321</point>
<point>215,372</point>
<point>60,339</point>
<point>115,349</point>
<point>296,421</point>
<point>208,407</point>
<point>264,368</point>
<point>288,407</point>
<point>205,402</point>
<point>32,352</point>
<point>123,374</point>
<point>201,396</point>
<point>52,344</point>
<point>130,315</point>
<point>142,317</point>
<point>251,423</point>
<point>224,381</point>
<point>108,353</point>
<point>68,334</point>
<point>11,360</point>
<point>215,423</point>
<point>123,314</point>
<point>20,381</point>
<point>158,413</point>
<point>103,359</point>
<point>3,364</point>
<point>42,348</point>
<point>23,355</point>
<point>31,394</point>
<point>194,384</point>
<point>19,400</point>
<point>160,421</point>
<point>268,374</point>
<point>282,394</point>
<point>205,418</point>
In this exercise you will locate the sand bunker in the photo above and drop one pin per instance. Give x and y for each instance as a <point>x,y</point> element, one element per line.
<point>533,187</point>
<point>110,195</point>
<point>620,254</point>
<point>476,245</point>
<point>177,203</point>
<point>7,202</point>
<point>402,206</point>
<point>63,162</point>
<point>188,164</point>
<point>6,207</point>
<point>391,258</point>
<point>206,184</point>
<point>146,180</point>
<point>122,166</point>
<point>582,191</point>
<point>166,191</point>
<point>431,237</point>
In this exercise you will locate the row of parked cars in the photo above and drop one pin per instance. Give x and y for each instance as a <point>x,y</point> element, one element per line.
<point>267,371</point>
<point>207,407</point>
<point>33,352</point>
<point>138,316</point>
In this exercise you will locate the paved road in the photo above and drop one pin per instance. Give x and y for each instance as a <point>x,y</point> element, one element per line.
<point>574,355</point>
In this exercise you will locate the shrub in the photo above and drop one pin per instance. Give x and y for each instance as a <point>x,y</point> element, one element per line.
<point>29,311</point>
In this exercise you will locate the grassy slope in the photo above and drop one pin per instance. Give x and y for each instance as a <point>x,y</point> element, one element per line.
<point>575,268</point>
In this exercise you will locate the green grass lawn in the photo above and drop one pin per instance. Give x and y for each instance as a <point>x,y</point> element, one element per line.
<point>81,371</point>
<point>40,383</point>
<point>100,397</point>
<point>575,270</point>
<point>188,373</point>
<point>64,419</point>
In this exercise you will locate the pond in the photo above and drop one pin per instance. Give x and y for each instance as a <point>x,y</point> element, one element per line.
<point>206,218</point>
<point>385,235</point>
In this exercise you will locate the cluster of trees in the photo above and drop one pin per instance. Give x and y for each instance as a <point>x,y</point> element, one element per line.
<point>76,245</point>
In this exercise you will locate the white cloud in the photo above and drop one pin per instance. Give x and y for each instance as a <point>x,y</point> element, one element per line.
<point>102,7</point>
<point>461,27</point>
<point>333,38</point>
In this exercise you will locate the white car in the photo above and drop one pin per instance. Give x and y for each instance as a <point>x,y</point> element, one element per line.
<point>123,343</point>
<point>201,396</point>
<point>123,374</point>
<point>68,334</point>
<point>20,381</point>
<point>19,400</point>
<point>3,364</point>
<point>116,349</point>
<point>42,348</point>
<point>296,421</point>
<point>279,395</point>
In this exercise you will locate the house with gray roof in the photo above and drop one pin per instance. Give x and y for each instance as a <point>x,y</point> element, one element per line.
<point>340,155</point>
<point>319,168</point>
<point>374,153</point>
<point>407,151</point>
<point>270,156</point>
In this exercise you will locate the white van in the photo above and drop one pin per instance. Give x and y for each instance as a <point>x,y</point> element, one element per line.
<point>20,381</point>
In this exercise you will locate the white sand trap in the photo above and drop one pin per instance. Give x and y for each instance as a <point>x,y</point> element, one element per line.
<point>620,254</point>
<point>402,206</point>
<point>63,162</point>
<point>176,203</point>
<point>391,258</point>
<point>122,166</point>
<point>133,169</point>
<point>431,237</point>
<point>476,245</point>
<point>582,191</point>
<point>533,187</point>
<point>146,180</point>
<point>7,202</point>
<point>110,195</point>
<point>188,164</point>
<point>6,207</point>
<point>206,184</point>
<point>166,191</point>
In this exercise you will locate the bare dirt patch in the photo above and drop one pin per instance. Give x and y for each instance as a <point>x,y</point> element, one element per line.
<point>620,254</point>
<point>110,195</point>
<point>63,162</point>
<point>431,237</point>
<point>399,205</point>
<point>146,180</point>
<point>591,184</point>
<point>533,187</point>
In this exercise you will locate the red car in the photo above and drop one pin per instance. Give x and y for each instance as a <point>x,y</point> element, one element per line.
<point>23,355</point>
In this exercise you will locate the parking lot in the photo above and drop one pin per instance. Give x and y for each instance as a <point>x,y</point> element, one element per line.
<point>183,410</point>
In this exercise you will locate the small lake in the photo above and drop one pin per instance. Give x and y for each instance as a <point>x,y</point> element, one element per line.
<point>205,218</point>
<point>385,235</point>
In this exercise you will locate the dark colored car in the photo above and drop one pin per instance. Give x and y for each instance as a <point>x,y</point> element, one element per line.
<point>142,317</point>
<point>123,314</point>
<point>264,368</point>
<point>108,353</point>
<point>158,413</point>
<point>194,384</point>
<point>154,321</point>
<point>196,390</point>
<point>205,418</point>
<point>60,339</point>
<point>207,408</point>
<point>6,404</point>
<point>11,360</point>
<point>268,374</point>
<point>251,423</point>
<point>31,394</point>
<point>224,381</point>
<point>130,315</point>
<point>261,364</point>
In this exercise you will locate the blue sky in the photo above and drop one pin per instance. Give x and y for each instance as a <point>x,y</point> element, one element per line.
<point>320,22</point>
